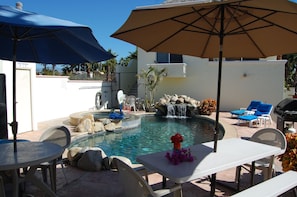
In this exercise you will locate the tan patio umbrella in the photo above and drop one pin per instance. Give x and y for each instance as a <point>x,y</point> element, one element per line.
<point>214,29</point>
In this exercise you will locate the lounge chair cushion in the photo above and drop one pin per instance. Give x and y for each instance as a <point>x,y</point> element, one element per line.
<point>248,117</point>
<point>264,108</point>
<point>238,112</point>
<point>252,106</point>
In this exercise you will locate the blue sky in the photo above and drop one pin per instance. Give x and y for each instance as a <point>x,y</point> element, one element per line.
<point>103,16</point>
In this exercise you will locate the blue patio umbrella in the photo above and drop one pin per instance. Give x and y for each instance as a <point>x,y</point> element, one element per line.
<point>31,37</point>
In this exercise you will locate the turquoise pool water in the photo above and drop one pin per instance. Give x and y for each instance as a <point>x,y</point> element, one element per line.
<point>152,136</point>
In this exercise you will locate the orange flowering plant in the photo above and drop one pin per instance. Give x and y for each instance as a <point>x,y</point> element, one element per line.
<point>289,158</point>
<point>208,106</point>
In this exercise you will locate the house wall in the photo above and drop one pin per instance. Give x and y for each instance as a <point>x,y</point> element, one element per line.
<point>242,81</point>
<point>40,98</point>
<point>57,97</point>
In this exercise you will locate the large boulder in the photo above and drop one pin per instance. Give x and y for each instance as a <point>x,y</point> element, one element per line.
<point>169,104</point>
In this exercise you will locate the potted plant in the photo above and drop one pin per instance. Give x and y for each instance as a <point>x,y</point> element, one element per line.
<point>151,77</point>
<point>289,158</point>
<point>207,106</point>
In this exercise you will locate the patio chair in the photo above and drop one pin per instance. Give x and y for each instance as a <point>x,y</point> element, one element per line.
<point>130,102</point>
<point>242,111</point>
<point>2,188</point>
<point>135,185</point>
<point>269,136</point>
<point>261,115</point>
<point>58,135</point>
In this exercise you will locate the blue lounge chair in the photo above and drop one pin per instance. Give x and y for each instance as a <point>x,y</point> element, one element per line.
<point>261,115</point>
<point>242,111</point>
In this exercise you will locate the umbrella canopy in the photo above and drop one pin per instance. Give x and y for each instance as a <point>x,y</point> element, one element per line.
<point>37,38</point>
<point>251,28</point>
<point>31,37</point>
<point>226,28</point>
<point>214,28</point>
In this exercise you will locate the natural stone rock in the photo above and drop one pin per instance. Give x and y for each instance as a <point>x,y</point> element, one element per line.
<point>99,126</point>
<point>110,127</point>
<point>86,125</point>
<point>177,104</point>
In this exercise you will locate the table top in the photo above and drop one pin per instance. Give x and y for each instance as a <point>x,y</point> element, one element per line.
<point>28,154</point>
<point>230,153</point>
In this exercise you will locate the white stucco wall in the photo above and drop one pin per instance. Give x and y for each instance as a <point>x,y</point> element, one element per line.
<point>263,80</point>
<point>51,97</point>
<point>58,97</point>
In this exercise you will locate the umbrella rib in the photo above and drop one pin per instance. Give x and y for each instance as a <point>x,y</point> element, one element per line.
<point>272,12</point>
<point>243,30</point>
<point>210,32</point>
<point>175,18</point>
<point>149,24</point>
<point>205,31</point>
<point>242,27</point>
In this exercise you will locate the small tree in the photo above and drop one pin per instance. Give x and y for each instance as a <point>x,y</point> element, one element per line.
<point>151,77</point>
<point>290,70</point>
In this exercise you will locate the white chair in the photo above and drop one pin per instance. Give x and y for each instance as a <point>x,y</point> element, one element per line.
<point>58,135</point>
<point>130,102</point>
<point>269,136</point>
<point>135,185</point>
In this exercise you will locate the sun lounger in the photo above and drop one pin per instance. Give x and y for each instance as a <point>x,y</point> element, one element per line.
<point>245,111</point>
<point>261,115</point>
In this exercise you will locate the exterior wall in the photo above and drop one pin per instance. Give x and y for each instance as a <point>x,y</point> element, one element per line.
<point>58,97</point>
<point>242,81</point>
<point>126,76</point>
<point>51,97</point>
<point>55,97</point>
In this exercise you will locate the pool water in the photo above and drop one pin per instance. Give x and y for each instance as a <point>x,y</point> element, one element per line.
<point>152,136</point>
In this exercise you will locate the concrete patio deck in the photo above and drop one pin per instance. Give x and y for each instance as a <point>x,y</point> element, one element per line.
<point>106,183</point>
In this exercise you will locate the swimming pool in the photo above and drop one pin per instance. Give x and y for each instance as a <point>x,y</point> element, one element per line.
<point>152,136</point>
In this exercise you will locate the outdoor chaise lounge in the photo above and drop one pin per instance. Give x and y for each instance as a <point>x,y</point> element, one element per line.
<point>261,115</point>
<point>244,111</point>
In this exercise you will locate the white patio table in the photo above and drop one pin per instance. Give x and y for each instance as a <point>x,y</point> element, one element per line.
<point>230,153</point>
<point>29,154</point>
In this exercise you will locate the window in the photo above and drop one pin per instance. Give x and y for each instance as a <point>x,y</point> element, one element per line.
<point>169,58</point>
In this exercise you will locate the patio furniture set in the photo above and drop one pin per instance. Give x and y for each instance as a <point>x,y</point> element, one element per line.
<point>31,156</point>
<point>258,152</point>
<point>257,112</point>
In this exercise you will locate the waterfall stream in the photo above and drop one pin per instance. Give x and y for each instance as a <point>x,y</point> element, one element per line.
<point>176,111</point>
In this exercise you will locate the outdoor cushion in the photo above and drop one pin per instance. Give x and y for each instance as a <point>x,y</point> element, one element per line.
<point>263,110</point>
<point>248,117</point>
<point>252,106</point>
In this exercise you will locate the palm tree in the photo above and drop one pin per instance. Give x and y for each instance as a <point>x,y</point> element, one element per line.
<point>152,77</point>
<point>110,66</point>
<point>125,61</point>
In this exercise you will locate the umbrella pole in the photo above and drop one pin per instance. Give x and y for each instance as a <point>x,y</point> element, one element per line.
<point>213,176</point>
<point>14,124</point>
<point>221,35</point>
